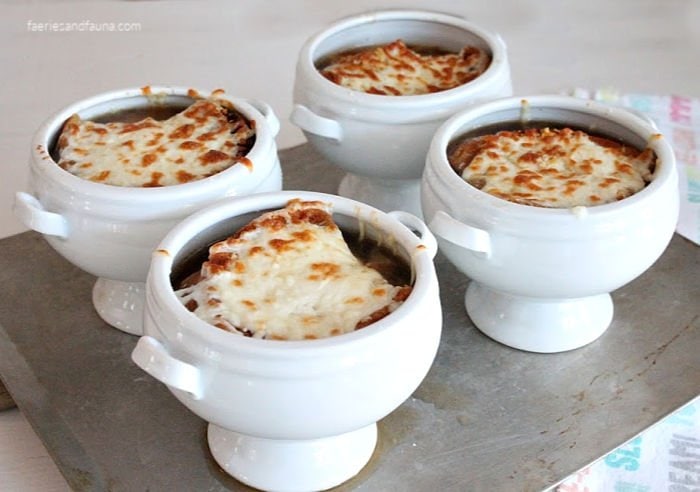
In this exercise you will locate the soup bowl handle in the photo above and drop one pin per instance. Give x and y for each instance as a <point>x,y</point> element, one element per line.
<point>151,356</point>
<point>418,226</point>
<point>310,122</point>
<point>33,215</point>
<point>461,234</point>
<point>268,113</point>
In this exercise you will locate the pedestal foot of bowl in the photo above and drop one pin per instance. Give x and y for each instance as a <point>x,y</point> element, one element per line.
<point>292,465</point>
<point>538,325</point>
<point>120,304</point>
<point>385,194</point>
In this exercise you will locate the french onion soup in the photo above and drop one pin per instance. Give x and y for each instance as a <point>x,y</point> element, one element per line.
<point>290,274</point>
<point>552,167</point>
<point>396,69</point>
<point>157,145</point>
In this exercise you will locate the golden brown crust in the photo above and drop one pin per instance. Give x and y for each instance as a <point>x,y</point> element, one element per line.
<point>548,167</point>
<point>271,250</point>
<point>395,69</point>
<point>206,138</point>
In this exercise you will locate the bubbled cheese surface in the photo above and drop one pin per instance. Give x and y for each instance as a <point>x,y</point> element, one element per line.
<point>397,70</point>
<point>289,275</point>
<point>203,139</point>
<point>559,168</point>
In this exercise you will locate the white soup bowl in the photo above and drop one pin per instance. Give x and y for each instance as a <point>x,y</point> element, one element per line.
<point>291,415</point>
<point>542,277</point>
<point>381,141</point>
<point>110,231</point>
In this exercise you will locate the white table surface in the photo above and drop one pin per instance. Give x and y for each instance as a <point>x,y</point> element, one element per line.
<point>249,48</point>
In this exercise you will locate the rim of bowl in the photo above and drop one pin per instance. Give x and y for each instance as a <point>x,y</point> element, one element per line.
<point>495,44</point>
<point>458,124</point>
<point>45,135</point>
<point>162,262</point>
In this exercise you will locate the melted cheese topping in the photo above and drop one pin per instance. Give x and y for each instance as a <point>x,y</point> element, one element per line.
<point>289,275</point>
<point>395,69</point>
<point>204,139</point>
<point>559,168</point>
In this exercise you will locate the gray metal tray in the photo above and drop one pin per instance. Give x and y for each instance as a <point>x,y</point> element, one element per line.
<point>487,417</point>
